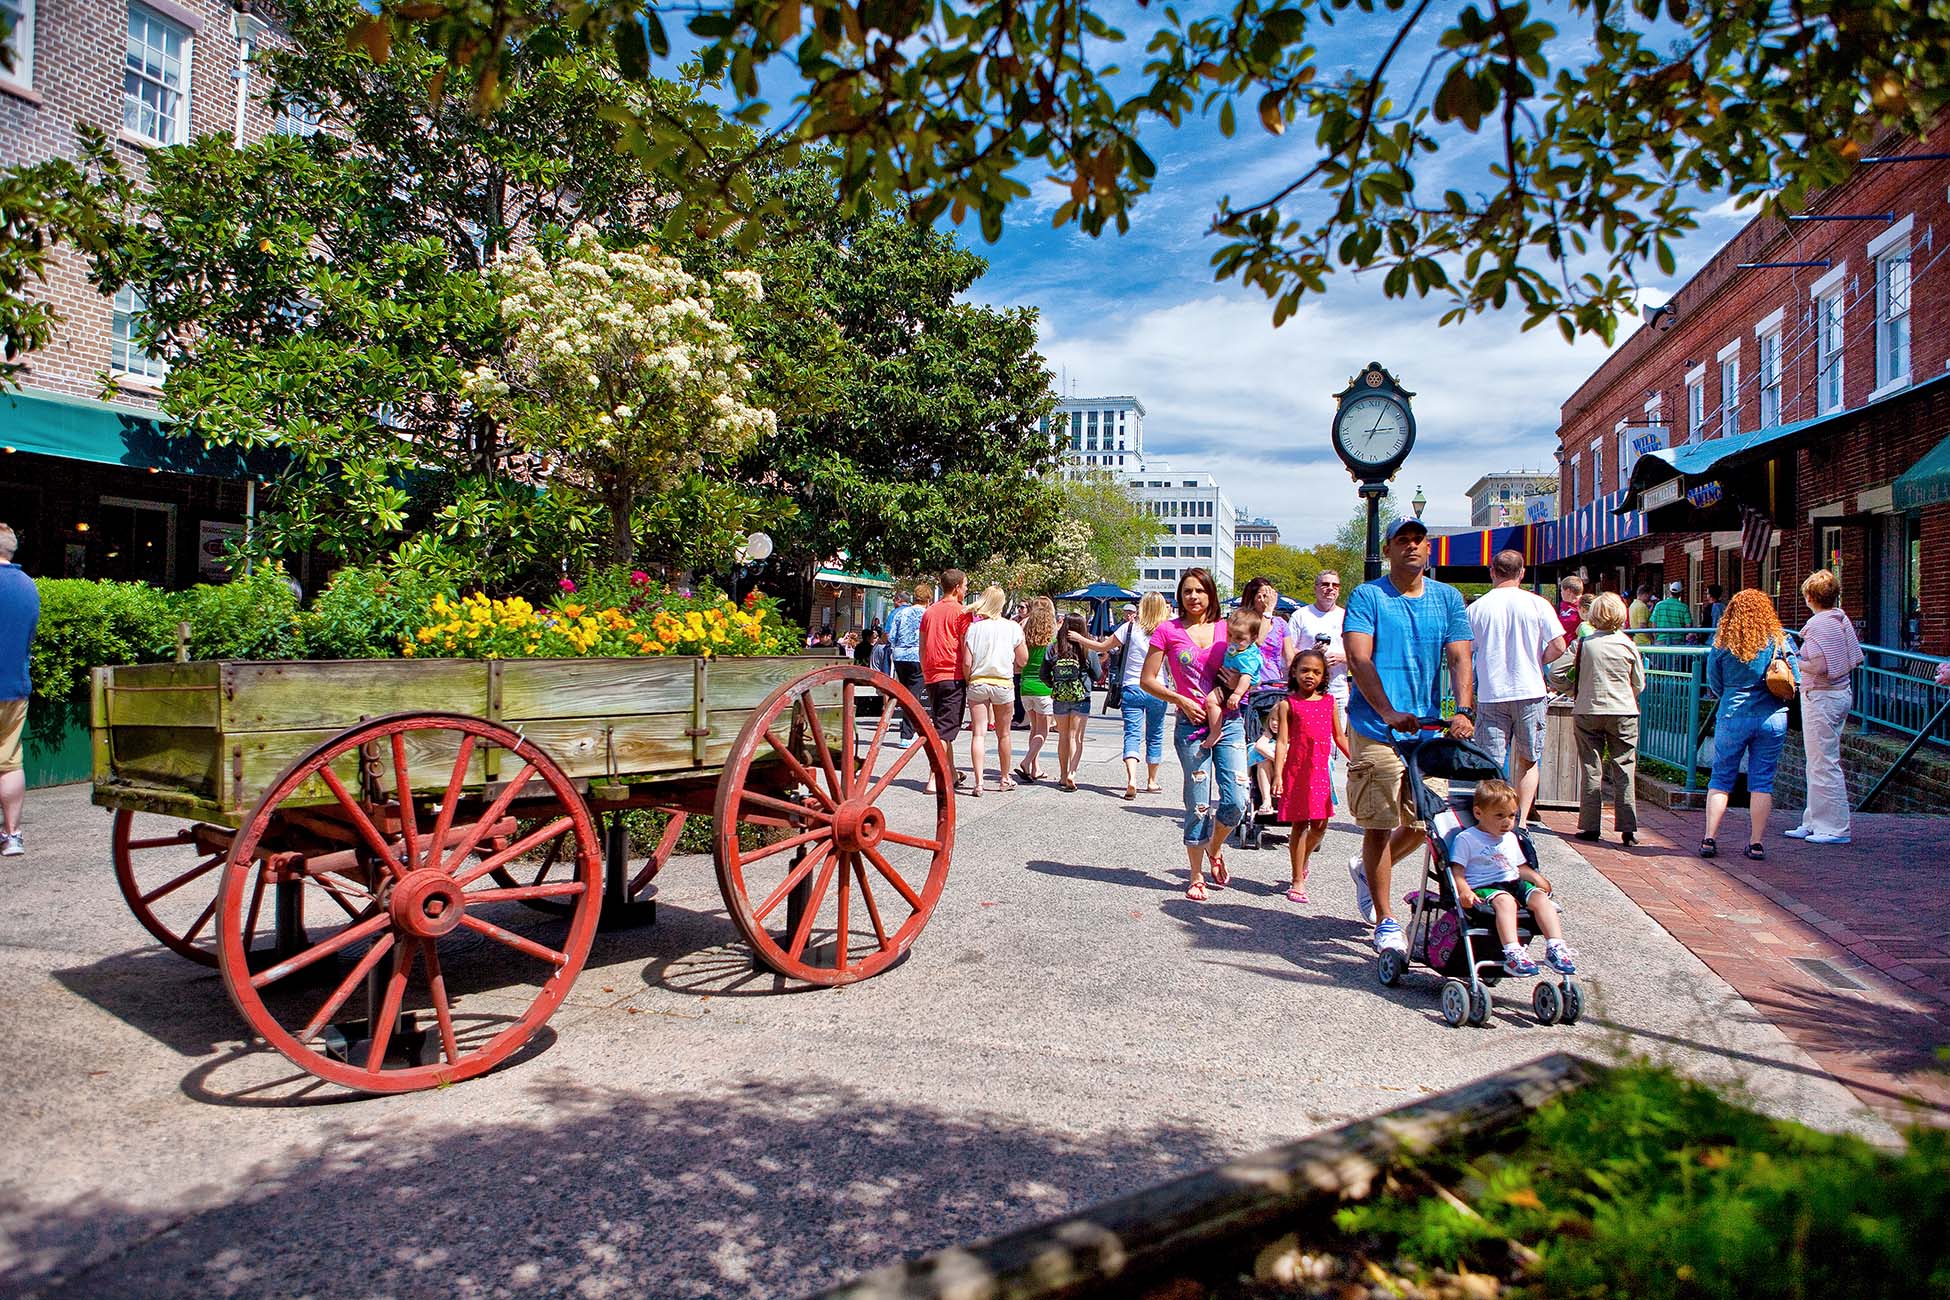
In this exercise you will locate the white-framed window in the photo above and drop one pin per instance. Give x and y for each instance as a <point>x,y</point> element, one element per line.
<point>1828,353</point>
<point>19,15</point>
<point>1892,316</point>
<point>1624,432</point>
<point>126,356</point>
<point>156,78</point>
<point>1696,404</point>
<point>1770,378</point>
<point>1597,469</point>
<point>1573,482</point>
<point>1730,389</point>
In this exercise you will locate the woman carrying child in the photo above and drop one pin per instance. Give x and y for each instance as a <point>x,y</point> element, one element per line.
<point>1310,727</point>
<point>1487,864</point>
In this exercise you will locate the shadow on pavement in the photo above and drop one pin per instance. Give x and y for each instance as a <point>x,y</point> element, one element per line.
<point>762,1189</point>
<point>1129,877</point>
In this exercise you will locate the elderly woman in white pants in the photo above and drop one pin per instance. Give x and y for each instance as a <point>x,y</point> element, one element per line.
<point>1829,653</point>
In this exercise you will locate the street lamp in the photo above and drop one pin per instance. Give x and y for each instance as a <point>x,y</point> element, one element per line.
<point>1420,503</point>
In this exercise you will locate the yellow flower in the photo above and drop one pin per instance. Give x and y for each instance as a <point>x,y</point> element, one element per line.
<point>407,650</point>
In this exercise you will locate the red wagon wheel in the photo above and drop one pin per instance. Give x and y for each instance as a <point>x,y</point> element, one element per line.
<point>415,879</point>
<point>168,877</point>
<point>866,859</point>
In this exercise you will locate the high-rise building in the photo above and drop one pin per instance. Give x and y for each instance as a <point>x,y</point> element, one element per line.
<point>1101,434</point>
<point>1255,531</point>
<point>1198,524</point>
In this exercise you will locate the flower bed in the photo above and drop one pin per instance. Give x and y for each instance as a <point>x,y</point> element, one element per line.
<point>647,620</point>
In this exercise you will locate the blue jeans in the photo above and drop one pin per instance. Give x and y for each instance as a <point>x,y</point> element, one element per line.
<point>1144,726</point>
<point>1757,735</point>
<point>1223,767</point>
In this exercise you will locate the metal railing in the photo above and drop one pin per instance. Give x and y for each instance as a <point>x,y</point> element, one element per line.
<point>1894,690</point>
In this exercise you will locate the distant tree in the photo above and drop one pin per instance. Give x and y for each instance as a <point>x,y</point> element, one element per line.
<point>1291,569</point>
<point>1121,530</point>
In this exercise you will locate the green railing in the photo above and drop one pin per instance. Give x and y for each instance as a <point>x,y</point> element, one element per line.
<point>1896,690</point>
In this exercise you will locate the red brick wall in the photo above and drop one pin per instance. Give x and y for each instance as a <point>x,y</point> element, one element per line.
<point>79,49</point>
<point>1723,304</point>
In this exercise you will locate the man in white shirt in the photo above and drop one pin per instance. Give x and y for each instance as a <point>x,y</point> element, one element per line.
<point>1322,619</point>
<point>1516,633</point>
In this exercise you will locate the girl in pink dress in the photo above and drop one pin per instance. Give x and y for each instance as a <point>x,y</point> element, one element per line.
<point>1310,725</point>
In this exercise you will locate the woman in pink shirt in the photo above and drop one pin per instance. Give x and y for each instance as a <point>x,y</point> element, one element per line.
<point>1180,669</point>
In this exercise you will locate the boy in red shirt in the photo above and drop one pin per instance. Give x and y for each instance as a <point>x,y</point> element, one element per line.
<point>942,628</point>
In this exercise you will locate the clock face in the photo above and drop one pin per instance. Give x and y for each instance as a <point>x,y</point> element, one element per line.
<point>1373,430</point>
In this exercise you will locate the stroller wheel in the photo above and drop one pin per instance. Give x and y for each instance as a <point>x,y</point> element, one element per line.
<point>1390,967</point>
<point>1455,1002</point>
<point>1479,1005</point>
<point>1573,1002</point>
<point>1545,1002</point>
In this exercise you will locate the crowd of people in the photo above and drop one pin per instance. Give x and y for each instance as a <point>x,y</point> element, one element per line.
<point>1263,707</point>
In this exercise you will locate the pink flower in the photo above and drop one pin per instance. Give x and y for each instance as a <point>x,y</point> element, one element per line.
<point>567,586</point>
<point>639,577</point>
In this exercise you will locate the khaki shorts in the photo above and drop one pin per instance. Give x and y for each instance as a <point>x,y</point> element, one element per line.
<point>13,721</point>
<point>987,692</point>
<point>1377,786</point>
<point>1036,704</point>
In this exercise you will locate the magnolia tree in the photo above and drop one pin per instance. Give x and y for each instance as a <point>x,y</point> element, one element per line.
<point>620,377</point>
<point>1063,563</point>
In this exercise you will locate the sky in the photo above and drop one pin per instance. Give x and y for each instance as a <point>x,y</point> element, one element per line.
<point>1140,314</point>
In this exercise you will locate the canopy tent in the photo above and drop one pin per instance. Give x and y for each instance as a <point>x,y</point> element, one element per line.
<point>1927,482</point>
<point>1101,596</point>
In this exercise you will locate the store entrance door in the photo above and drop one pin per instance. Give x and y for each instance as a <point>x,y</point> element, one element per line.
<point>135,542</point>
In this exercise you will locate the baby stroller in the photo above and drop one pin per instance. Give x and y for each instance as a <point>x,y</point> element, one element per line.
<point>1441,934</point>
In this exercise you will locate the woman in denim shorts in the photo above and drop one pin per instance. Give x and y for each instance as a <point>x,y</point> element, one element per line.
<point>1751,721</point>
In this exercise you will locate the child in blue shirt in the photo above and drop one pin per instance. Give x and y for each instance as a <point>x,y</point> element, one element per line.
<point>1236,677</point>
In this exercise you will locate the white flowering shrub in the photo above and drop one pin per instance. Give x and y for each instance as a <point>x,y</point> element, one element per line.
<point>1063,563</point>
<point>619,372</point>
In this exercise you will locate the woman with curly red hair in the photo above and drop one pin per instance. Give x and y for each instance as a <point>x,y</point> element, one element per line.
<point>1751,721</point>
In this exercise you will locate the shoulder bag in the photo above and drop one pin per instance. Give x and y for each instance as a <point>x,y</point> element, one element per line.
<point>1780,675</point>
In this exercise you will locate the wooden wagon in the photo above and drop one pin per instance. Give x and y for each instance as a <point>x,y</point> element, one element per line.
<point>427,833</point>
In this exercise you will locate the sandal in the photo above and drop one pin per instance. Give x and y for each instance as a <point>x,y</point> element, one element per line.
<point>1005,784</point>
<point>1130,793</point>
<point>1220,876</point>
<point>1297,895</point>
<point>1756,852</point>
<point>1024,774</point>
<point>972,791</point>
<point>1709,849</point>
<point>1154,789</point>
<point>1069,785</point>
<point>1196,891</point>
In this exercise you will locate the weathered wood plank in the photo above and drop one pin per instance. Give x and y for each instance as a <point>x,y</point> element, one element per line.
<point>170,803</point>
<point>185,758</point>
<point>555,688</point>
<point>194,706</point>
<point>740,683</point>
<point>1126,1246</point>
<point>171,676</point>
<point>258,758</point>
<point>335,694</point>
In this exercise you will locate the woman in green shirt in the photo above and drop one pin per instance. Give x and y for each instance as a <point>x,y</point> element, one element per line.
<point>1038,630</point>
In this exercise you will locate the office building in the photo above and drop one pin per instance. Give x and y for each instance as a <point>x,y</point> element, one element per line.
<point>1255,532</point>
<point>1500,500</point>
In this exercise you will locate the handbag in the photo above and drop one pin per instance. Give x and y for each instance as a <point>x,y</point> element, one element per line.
<point>1780,676</point>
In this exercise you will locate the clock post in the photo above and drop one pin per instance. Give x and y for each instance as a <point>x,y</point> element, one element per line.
<point>1374,429</point>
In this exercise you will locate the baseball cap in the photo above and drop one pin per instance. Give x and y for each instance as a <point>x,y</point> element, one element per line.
<point>1396,525</point>
<point>1675,588</point>
<point>1128,609</point>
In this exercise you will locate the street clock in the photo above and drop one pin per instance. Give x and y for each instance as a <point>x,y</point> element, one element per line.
<point>1374,429</point>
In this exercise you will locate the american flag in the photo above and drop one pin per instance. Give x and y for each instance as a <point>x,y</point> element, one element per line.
<point>1756,531</point>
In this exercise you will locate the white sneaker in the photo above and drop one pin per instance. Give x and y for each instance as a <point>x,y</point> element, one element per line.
<point>11,846</point>
<point>1798,833</point>
<point>1363,901</point>
<point>1812,839</point>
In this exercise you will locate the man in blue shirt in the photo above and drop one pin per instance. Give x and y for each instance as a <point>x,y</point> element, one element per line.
<point>20,612</point>
<point>1397,631</point>
<point>904,635</point>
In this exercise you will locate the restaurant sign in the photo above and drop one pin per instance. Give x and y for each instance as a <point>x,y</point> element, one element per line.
<point>1659,494</point>
<point>1705,494</point>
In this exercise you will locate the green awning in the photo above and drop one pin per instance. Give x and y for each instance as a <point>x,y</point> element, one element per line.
<point>1927,482</point>
<point>842,579</point>
<point>76,428</point>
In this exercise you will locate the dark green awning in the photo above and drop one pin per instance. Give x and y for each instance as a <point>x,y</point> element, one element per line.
<point>1927,482</point>
<point>76,428</point>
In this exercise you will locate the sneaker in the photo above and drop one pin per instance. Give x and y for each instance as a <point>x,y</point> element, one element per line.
<point>1812,839</point>
<point>1363,901</point>
<point>1798,833</point>
<point>1388,934</point>
<point>12,846</point>
<point>1558,956</point>
<point>1515,963</point>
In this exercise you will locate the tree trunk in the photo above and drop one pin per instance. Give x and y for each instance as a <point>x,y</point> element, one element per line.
<point>622,544</point>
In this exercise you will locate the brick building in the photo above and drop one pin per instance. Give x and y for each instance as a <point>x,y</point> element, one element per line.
<point>97,488</point>
<point>1804,372</point>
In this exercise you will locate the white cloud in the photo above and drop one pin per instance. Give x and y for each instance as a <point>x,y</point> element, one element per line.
<point>1227,392</point>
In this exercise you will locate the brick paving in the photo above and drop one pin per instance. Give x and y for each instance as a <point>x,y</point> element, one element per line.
<point>1875,910</point>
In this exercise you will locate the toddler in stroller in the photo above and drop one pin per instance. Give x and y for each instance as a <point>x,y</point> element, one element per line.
<point>1478,879</point>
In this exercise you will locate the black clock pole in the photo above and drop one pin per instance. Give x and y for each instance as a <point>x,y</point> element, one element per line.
<point>1372,494</point>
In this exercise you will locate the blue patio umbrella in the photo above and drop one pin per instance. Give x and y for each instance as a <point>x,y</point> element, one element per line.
<point>1101,596</point>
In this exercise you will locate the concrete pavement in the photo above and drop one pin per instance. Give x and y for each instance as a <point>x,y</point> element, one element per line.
<point>1068,1028</point>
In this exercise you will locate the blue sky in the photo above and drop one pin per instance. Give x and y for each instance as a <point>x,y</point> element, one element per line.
<point>1141,314</point>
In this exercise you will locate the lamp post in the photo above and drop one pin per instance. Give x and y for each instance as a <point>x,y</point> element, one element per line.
<point>1420,503</point>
